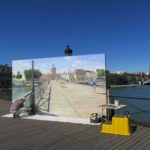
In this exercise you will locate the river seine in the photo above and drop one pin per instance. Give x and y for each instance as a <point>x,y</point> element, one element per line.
<point>138,108</point>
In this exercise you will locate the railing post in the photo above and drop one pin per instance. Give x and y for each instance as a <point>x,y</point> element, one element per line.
<point>112,111</point>
<point>32,105</point>
<point>108,101</point>
<point>49,100</point>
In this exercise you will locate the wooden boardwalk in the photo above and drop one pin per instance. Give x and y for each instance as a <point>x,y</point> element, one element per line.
<point>21,134</point>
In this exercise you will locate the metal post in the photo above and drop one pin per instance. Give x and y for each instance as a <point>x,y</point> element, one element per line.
<point>106,89</point>
<point>33,94</point>
<point>68,51</point>
<point>108,100</point>
<point>107,85</point>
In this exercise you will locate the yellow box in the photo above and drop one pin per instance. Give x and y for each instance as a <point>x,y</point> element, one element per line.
<point>120,125</point>
<point>106,128</point>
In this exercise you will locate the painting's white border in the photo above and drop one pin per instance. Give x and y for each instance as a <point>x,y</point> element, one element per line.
<point>46,117</point>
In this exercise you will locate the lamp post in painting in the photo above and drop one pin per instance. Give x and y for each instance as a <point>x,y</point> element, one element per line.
<point>32,103</point>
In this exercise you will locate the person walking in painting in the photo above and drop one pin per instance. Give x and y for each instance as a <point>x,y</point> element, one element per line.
<point>94,86</point>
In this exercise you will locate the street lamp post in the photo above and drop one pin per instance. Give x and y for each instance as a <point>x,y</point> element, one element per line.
<point>68,51</point>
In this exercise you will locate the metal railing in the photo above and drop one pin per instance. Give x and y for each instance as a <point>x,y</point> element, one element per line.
<point>39,96</point>
<point>138,107</point>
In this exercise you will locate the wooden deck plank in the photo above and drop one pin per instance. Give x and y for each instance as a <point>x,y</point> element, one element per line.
<point>118,143</point>
<point>128,142</point>
<point>33,135</point>
<point>142,142</point>
<point>146,145</point>
<point>69,141</point>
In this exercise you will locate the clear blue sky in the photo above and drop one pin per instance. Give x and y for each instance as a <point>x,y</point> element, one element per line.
<point>42,28</point>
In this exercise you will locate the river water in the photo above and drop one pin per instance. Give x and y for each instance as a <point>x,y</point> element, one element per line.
<point>18,92</point>
<point>139,109</point>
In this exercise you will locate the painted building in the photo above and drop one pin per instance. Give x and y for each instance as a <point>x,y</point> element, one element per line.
<point>53,72</point>
<point>79,75</point>
<point>90,75</point>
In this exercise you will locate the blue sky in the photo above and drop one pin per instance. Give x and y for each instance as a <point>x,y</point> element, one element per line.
<point>62,64</point>
<point>42,28</point>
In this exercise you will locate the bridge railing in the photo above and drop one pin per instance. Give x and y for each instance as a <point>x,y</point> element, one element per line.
<point>138,107</point>
<point>38,95</point>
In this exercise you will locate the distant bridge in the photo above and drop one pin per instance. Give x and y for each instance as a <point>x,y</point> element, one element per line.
<point>146,82</point>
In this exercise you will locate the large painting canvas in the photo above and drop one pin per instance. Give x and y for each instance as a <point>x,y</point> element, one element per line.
<point>70,86</point>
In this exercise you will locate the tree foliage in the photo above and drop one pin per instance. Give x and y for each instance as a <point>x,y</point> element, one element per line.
<point>19,75</point>
<point>118,79</point>
<point>28,74</point>
<point>102,73</point>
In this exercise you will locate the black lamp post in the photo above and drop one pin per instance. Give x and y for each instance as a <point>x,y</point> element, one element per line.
<point>68,51</point>
<point>32,104</point>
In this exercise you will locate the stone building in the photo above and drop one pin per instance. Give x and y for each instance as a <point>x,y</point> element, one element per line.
<point>53,72</point>
<point>5,81</point>
<point>90,75</point>
<point>79,75</point>
<point>5,76</point>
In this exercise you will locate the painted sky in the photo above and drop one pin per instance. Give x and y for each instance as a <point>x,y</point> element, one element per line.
<point>62,64</point>
<point>42,28</point>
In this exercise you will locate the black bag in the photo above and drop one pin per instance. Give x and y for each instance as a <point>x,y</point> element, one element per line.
<point>95,118</point>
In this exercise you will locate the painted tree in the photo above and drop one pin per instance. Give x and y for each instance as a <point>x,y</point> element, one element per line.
<point>19,75</point>
<point>28,74</point>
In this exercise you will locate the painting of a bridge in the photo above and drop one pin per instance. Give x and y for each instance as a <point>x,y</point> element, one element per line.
<point>70,86</point>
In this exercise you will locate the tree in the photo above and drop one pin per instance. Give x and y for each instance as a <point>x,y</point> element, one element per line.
<point>14,76</point>
<point>19,75</point>
<point>28,74</point>
<point>102,73</point>
<point>118,79</point>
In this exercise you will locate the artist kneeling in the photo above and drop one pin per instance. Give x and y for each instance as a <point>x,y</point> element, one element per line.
<point>18,109</point>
